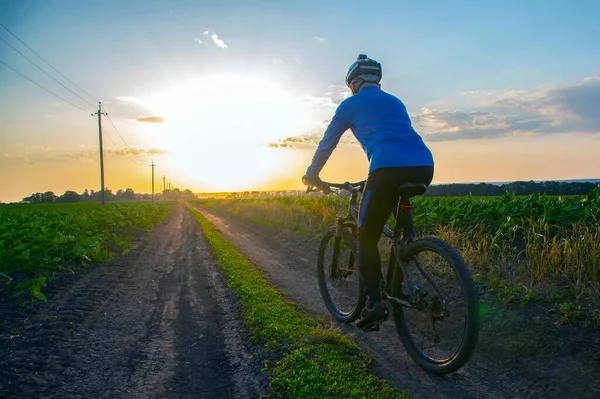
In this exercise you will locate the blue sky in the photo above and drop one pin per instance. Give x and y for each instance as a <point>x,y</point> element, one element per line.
<point>474,76</point>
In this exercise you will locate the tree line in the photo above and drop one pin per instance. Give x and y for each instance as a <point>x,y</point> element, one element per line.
<point>437,190</point>
<point>128,194</point>
<point>517,188</point>
<point>452,190</point>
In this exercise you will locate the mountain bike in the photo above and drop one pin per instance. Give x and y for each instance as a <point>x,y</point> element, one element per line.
<point>431,290</point>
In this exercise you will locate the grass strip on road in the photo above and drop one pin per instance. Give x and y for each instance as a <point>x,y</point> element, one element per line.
<point>319,362</point>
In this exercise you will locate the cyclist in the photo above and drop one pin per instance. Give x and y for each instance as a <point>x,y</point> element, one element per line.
<point>396,154</point>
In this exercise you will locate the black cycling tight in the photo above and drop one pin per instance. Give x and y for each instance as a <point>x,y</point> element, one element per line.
<point>379,201</point>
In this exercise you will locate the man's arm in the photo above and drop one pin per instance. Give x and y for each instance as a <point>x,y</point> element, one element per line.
<point>338,125</point>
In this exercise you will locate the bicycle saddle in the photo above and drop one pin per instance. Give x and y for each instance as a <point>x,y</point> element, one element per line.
<point>411,189</point>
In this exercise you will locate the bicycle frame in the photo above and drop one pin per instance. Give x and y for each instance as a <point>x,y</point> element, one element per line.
<point>399,266</point>
<point>351,221</point>
<point>395,264</point>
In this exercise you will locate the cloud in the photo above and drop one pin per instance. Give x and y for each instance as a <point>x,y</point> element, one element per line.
<point>306,141</point>
<point>218,42</point>
<point>309,141</point>
<point>128,99</point>
<point>562,110</point>
<point>35,154</point>
<point>454,125</point>
<point>150,119</point>
<point>134,151</point>
<point>8,155</point>
<point>559,110</point>
<point>320,39</point>
<point>92,153</point>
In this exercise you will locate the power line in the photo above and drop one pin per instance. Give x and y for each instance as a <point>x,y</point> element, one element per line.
<point>42,87</point>
<point>47,63</point>
<point>112,141</point>
<point>41,69</point>
<point>114,127</point>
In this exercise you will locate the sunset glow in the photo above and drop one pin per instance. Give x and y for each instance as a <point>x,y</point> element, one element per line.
<point>236,98</point>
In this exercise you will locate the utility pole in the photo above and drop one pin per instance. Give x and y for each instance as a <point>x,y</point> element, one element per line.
<point>164,188</point>
<point>153,181</point>
<point>100,113</point>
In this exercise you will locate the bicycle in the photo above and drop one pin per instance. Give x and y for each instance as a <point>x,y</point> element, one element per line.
<point>413,284</point>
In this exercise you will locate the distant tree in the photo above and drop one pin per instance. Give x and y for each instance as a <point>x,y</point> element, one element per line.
<point>108,194</point>
<point>69,196</point>
<point>33,199</point>
<point>48,197</point>
<point>129,194</point>
<point>86,195</point>
<point>517,188</point>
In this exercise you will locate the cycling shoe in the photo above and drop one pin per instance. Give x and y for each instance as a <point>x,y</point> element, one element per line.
<point>372,315</point>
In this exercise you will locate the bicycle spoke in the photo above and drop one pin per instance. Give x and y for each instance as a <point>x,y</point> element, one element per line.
<point>435,327</point>
<point>342,281</point>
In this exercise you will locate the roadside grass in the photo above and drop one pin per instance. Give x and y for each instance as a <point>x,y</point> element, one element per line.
<point>522,249</point>
<point>318,361</point>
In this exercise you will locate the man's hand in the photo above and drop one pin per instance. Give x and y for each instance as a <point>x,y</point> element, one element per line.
<point>312,181</point>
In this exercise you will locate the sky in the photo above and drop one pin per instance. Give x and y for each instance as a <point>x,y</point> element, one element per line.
<point>235,95</point>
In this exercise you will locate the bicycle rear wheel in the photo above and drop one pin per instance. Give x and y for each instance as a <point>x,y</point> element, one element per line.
<point>440,331</point>
<point>339,277</point>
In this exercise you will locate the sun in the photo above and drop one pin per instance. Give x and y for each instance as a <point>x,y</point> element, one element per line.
<point>217,129</point>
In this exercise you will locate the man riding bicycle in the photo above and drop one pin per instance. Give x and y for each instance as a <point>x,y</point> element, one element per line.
<point>396,154</point>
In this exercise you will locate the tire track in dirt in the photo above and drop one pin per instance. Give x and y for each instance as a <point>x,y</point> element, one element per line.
<point>288,261</point>
<point>160,322</point>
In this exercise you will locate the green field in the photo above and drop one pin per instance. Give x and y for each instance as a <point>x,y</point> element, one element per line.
<point>37,241</point>
<point>524,248</point>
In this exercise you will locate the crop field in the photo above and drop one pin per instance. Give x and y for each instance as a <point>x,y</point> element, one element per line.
<point>523,248</point>
<point>36,241</point>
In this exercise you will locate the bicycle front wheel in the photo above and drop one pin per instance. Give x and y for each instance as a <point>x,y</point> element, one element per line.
<point>339,277</point>
<point>440,330</point>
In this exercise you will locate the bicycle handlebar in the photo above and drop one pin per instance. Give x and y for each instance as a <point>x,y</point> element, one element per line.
<point>326,187</point>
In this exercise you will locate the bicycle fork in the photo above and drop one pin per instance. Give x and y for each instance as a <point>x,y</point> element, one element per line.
<point>341,224</point>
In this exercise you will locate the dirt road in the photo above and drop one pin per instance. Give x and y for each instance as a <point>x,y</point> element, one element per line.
<point>520,354</point>
<point>158,323</point>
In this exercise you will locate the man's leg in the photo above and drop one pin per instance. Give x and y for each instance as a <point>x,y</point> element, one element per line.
<point>422,174</point>
<point>376,207</point>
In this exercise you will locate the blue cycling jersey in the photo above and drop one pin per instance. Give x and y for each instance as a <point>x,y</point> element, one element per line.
<point>381,124</point>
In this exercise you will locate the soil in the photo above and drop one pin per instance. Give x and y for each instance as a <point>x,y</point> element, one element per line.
<point>521,353</point>
<point>159,322</point>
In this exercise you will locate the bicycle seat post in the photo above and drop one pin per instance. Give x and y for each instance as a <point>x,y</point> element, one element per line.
<point>405,192</point>
<point>398,227</point>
